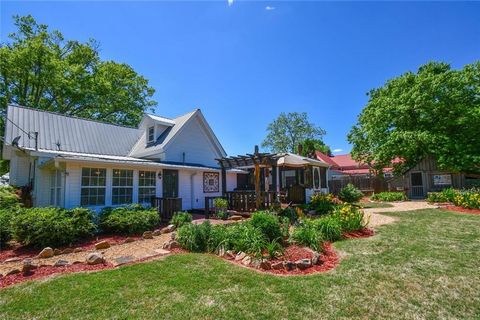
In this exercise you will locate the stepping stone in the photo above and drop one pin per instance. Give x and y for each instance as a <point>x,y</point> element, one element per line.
<point>123,260</point>
<point>162,251</point>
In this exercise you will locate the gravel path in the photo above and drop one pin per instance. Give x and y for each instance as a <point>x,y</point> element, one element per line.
<point>376,219</point>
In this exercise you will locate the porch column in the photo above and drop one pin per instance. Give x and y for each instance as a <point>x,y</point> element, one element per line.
<point>277,179</point>
<point>224,181</point>
<point>257,186</point>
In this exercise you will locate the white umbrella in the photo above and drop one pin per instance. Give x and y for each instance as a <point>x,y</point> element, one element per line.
<point>294,160</point>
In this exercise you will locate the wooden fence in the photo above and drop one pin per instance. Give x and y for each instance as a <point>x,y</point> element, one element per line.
<point>245,201</point>
<point>166,207</point>
<point>367,185</point>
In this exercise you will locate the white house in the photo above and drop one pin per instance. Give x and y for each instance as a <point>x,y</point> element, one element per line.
<point>71,162</point>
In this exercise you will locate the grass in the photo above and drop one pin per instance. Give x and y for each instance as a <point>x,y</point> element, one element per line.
<point>368,205</point>
<point>425,267</point>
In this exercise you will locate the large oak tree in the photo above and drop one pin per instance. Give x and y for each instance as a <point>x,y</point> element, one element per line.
<point>433,112</point>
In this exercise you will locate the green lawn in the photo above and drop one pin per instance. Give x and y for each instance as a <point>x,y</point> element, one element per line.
<point>426,266</point>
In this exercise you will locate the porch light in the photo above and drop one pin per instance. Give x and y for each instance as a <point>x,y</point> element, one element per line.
<point>160,175</point>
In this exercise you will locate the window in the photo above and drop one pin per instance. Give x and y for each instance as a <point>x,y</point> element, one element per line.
<point>55,188</point>
<point>146,186</point>
<point>122,191</point>
<point>323,178</point>
<point>151,134</point>
<point>93,187</point>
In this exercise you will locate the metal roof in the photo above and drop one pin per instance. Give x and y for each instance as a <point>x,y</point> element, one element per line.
<point>65,133</point>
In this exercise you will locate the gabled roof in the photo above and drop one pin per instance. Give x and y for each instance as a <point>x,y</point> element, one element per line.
<point>58,132</point>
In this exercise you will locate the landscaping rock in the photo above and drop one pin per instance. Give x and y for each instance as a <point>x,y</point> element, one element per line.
<point>303,264</point>
<point>61,263</point>
<point>247,260</point>
<point>156,232</point>
<point>94,258</point>
<point>169,228</point>
<point>28,266</point>
<point>277,265</point>
<point>77,250</point>
<point>256,263</point>
<point>57,252</point>
<point>315,258</point>
<point>15,259</point>
<point>171,245</point>
<point>240,256</point>
<point>102,245</point>
<point>13,271</point>
<point>67,251</point>
<point>221,251</point>
<point>265,265</point>
<point>46,253</point>
<point>230,254</point>
<point>235,218</point>
<point>147,235</point>
<point>173,236</point>
<point>289,265</point>
<point>123,260</point>
<point>77,262</point>
<point>129,240</point>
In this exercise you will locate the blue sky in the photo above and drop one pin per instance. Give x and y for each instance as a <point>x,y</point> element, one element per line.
<point>243,63</point>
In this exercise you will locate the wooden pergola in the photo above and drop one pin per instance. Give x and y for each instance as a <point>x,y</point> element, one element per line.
<point>257,160</point>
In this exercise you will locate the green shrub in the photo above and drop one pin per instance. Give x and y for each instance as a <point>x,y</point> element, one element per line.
<point>195,237</point>
<point>289,213</point>
<point>42,227</point>
<point>389,196</point>
<point>5,226</point>
<point>132,219</point>
<point>350,218</point>
<point>181,218</point>
<point>322,203</point>
<point>274,249</point>
<point>330,227</point>
<point>437,197</point>
<point>220,203</point>
<point>8,197</point>
<point>268,225</point>
<point>469,199</point>
<point>350,194</point>
<point>307,234</point>
<point>222,215</point>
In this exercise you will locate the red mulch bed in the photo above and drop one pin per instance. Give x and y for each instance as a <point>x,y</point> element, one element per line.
<point>362,233</point>
<point>461,209</point>
<point>23,252</point>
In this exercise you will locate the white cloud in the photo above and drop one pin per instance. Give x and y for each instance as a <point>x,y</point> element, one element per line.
<point>337,150</point>
<point>269,8</point>
<point>230,2</point>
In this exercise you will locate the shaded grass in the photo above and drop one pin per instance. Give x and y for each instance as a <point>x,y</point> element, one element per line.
<point>368,205</point>
<point>424,266</point>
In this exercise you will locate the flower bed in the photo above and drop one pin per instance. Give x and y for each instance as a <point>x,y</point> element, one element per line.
<point>461,209</point>
<point>468,199</point>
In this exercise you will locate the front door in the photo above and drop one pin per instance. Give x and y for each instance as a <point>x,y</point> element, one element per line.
<point>170,183</point>
<point>417,185</point>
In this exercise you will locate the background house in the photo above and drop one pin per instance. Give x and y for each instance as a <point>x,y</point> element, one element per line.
<point>70,162</point>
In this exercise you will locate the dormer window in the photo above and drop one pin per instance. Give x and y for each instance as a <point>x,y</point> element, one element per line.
<point>151,134</point>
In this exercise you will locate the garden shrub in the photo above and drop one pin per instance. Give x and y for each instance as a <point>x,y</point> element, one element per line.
<point>8,198</point>
<point>307,234</point>
<point>268,225</point>
<point>180,218</point>
<point>195,237</point>
<point>42,227</point>
<point>289,213</point>
<point>330,227</point>
<point>350,194</point>
<point>389,196</point>
<point>5,226</point>
<point>274,249</point>
<point>221,206</point>
<point>322,203</point>
<point>132,219</point>
<point>469,199</point>
<point>350,218</point>
<point>437,197</point>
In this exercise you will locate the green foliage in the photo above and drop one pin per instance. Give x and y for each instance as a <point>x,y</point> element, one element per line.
<point>274,249</point>
<point>322,203</point>
<point>350,194</point>
<point>222,215</point>
<point>42,227</point>
<point>132,219</point>
<point>389,196</point>
<point>5,226</point>
<point>469,199</point>
<point>289,213</point>
<point>349,217</point>
<point>195,237</point>
<point>433,112</point>
<point>40,69</point>
<point>220,203</point>
<point>329,226</point>
<point>437,197</point>
<point>8,197</point>
<point>285,226</point>
<point>287,131</point>
<point>307,234</point>
<point>181,218</point>
<point>268,225</point>
<point>312,145</point>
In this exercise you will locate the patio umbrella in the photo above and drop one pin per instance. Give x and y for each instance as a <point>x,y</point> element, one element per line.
<point>294,160</point>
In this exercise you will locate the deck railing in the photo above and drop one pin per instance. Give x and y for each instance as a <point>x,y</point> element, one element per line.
<point>166,207</point>
<point>245,201</point>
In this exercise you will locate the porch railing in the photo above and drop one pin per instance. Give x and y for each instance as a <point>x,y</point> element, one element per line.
<point>166,207</point>
<point>209,206</point>
<point>245,201</point>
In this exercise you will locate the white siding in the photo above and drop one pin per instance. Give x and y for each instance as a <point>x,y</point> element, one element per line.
<point>19,170</point>
<point>194,142</point>
<point>231,181</point>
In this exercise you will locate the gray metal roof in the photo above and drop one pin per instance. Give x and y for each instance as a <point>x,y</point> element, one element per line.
<point>70,133</point>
